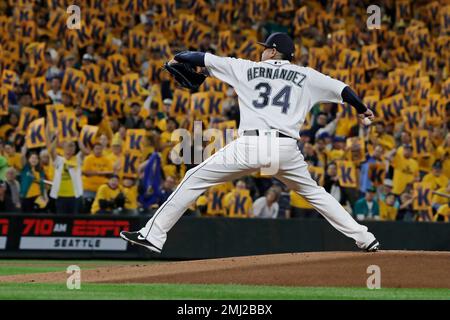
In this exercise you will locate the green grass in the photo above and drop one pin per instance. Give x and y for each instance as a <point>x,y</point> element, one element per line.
<point>178,291</point>
<point>11,267</point>
<point>11,270</point>
<point>77,262</point>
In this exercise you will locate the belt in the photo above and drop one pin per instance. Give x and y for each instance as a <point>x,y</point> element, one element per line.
<point>257,133</point>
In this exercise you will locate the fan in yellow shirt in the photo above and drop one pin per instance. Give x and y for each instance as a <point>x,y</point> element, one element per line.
<point>238,203</point>
<point>14,158</point>
<point>115,156</point>
<point>388,211</point>
<point>344,125</point>
<point>46,164</point>
<point>426,163</point>
<point>436,178</point>
<point>338,151</point>
<point>166,136</point>
<point>66,189</point>
<point>34,190</point>
<point>379,136</point>
<point>109,197</point>
<point>104,141</point>
<point>443,213</point>
<point>406,169</point>
<point>96,169</point>
<point>438,198</point>
<point>130,191</point>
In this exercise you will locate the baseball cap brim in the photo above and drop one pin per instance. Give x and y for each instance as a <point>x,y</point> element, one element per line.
<point>264,44</point>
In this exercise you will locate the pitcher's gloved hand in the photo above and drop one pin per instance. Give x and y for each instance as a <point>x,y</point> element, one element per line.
<point>184,74</point>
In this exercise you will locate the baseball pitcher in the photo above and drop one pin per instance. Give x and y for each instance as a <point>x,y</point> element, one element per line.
<point>274,99</point>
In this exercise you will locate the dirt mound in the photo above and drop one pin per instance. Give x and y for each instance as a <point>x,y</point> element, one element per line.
<point>411,269</point>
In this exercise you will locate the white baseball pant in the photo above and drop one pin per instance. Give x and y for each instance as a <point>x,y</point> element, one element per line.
<point>236,160</point>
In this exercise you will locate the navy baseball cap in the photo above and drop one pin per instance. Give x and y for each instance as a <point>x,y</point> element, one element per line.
<point>339,139</point>
<point>280,41</point>
<point>324,135</point>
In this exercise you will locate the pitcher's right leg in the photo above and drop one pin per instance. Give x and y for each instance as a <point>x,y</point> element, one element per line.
<point>296,176</point>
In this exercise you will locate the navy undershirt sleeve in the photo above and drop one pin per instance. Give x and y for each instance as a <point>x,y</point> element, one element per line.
<point>350,96</point>
<point>195,59</point>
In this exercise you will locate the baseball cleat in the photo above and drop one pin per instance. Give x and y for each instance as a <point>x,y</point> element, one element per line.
<point>136,238</point>
<point>374,246</point>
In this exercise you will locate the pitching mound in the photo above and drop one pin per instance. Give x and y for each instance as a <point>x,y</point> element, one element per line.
<point>409,269</point>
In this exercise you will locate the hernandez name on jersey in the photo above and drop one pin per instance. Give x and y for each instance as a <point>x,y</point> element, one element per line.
<point>274,94</point>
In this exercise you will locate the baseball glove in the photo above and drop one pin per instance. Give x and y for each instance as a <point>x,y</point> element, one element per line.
<point>185,75</point>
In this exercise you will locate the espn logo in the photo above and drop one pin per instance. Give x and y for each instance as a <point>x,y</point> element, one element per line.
<point>99,228</point>
<point>91,228</point>
<point>77,234</point>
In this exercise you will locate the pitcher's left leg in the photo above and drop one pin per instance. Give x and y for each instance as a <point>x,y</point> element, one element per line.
<point>225,165</point>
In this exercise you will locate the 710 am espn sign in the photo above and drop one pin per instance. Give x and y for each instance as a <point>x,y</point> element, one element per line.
<point>72,234</point>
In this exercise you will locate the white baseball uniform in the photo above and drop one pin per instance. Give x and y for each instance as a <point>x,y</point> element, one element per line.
<point>274,95</point>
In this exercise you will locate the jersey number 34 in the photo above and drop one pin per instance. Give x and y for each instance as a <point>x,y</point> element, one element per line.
<point>281,99</point>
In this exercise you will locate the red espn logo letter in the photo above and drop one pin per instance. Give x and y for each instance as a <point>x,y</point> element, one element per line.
<point>99,227</point>
<point>4,225</point>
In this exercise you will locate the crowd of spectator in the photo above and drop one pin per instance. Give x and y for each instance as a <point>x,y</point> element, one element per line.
<point>396,169</point>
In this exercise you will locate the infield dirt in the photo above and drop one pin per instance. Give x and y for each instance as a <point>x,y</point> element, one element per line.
<point>399,269</point>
